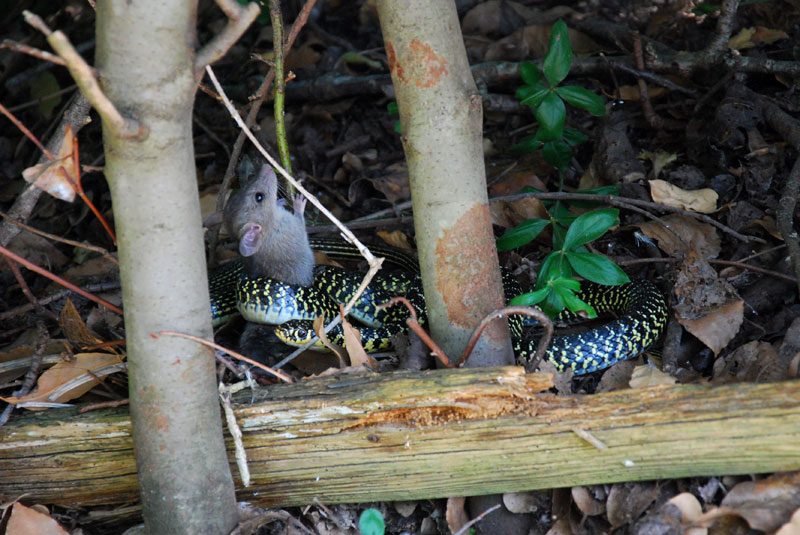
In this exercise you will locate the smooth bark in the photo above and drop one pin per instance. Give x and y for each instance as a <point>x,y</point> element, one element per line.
<point>440,110</point>
<point>145,58</point>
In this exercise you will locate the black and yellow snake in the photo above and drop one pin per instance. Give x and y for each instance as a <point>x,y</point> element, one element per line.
<point>640,306</point>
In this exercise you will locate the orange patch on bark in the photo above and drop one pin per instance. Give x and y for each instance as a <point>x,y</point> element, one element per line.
<point>422,66</point>
<point>464,284</point>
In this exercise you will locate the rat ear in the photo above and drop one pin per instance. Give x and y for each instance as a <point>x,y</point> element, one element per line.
<point>248,245</point>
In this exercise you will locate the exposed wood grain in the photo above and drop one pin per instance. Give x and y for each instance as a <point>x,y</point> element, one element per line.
<point>430,434</point>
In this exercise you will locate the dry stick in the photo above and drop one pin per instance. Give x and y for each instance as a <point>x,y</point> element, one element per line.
<point>252,115</point>
<point>374,263</point>
<point>27,132</point>
<point>546,322</point>
<point>239,19</point>
<point>59,280</point>
<point>654,120</point>
<point>84,76</point>
<point>32,373</point>
<point>27,291</point>
<point>280,375</point>
<point>102,287</point>
<point>414,325</point>
<point>627,204</point>
<point>732,263</point>
<point>477,519</point>
<point>35,52</point>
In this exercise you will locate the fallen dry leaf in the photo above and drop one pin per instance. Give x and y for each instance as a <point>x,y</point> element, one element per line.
<point>27,521</point>
<point>768,503</point>
<point>627,501</point>
<point>659,159</point>
<point>456,515</point>
<point>68,380</point>
<point>755,36</point>
<point>57,177</point>
<point>352,343</point>
<point>691,511</point>
<point>702,237</point>
<point>396,238</point>
<point>644,376</point>
<point>703,200</point>
<point>74,328</point>
<point>707,306</point>
<point>792,527</point>
<point>587,504</point>
<point>753,362</point>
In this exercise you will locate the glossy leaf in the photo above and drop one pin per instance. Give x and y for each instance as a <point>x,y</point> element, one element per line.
<point>528,144</point>
<point>597,268</point>
<point>555,266</point>
<point>574,137</point>
<point>530,298</point>
<point>530,73</point>
<point>551,115</point>
<point>557,153</point>
<point>533,96</point>
<point>590,226</point>
<point>582,98</point>
<point>572,302</point>
<point>523,233</point>
<point>557,62</point>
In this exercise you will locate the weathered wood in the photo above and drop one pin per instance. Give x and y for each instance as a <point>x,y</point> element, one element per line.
<point>431,434</point>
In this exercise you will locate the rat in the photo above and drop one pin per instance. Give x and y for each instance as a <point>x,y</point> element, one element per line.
<point>272,240</point>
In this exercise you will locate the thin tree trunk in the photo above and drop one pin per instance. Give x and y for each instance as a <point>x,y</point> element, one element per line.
<point>440,110</point>
<point>145,57</point>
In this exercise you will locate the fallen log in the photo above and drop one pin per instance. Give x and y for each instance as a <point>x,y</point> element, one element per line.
<point>412,435</point>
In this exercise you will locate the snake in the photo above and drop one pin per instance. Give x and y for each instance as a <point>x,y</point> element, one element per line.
<point>639,306</point>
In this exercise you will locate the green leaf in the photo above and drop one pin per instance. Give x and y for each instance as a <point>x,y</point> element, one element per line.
<point>398,127</point>
<point>574,137</point>
<point>555,266</point>
<point>601,190</point>
<point>551,115</point>
<point>572,302</point>
<point>392,108</point>
<point>530,298</point>
<point>533,96</point>
<point>590,226</point>
<point>582,98</point>
<point>597,268</point>
<point>528,144</point>
<point>371,522</point>
<point>557,153</point>
<point>557,62</point>
<point>530,73</point>
<point>523,233</point>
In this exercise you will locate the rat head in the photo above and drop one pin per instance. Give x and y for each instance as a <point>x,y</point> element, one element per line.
<point>249,215</point>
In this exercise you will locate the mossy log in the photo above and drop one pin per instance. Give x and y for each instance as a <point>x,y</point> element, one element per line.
<point>405,435</point>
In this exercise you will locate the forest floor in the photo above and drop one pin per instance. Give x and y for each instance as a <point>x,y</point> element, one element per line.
<point>704,161</point>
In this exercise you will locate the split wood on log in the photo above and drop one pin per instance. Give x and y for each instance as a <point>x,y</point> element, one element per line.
<point>413,435</point>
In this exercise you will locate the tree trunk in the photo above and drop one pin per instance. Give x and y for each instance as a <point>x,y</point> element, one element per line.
<point>440,110</point>
<point>416,435</point>
<point>145,57</point>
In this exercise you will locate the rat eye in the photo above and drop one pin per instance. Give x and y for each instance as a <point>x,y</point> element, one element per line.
<point>259,197</point>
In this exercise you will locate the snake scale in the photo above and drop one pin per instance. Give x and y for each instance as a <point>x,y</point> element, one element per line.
<point>640,308</point>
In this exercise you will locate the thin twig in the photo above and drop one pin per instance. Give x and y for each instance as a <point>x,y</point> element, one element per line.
<point>543,318</point>
<point>102,287</point>
<point>84,76</point>
<point>477,519</point>
<point>239,19</point>
<point>280,375</point>
<point>414,325</point>
<point>27,291</point>
<point>624,202</point>
<point>59,280</point>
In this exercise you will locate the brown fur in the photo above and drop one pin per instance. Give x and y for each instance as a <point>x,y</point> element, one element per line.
<point>272,240</point>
